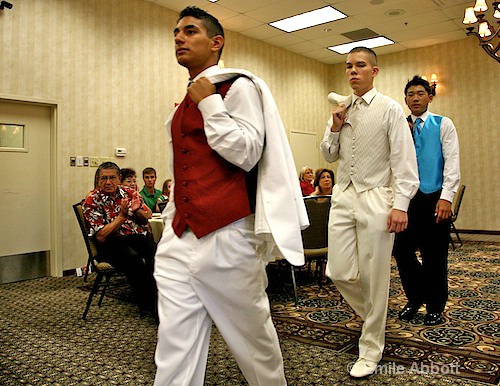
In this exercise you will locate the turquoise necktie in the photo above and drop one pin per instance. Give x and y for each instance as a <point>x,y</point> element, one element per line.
<point>418,125</point>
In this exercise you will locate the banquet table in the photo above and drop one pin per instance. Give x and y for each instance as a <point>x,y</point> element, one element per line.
<point>157,225</point>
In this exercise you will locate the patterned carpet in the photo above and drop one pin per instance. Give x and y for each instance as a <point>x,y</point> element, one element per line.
<point>43,340</point>
<point>467,345</point>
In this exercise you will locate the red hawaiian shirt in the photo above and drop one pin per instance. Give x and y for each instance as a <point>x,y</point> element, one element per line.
<point>100,209</point>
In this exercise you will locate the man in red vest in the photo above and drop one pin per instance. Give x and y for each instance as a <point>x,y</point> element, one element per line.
<point>234,197</point>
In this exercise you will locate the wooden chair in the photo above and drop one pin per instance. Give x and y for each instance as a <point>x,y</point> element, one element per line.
<point>454,215</point>
<point>104,270</point>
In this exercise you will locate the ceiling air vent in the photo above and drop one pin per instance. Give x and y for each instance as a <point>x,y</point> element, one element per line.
<point>360,34</point>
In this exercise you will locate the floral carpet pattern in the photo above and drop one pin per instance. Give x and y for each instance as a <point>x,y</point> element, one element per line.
<point>44,341</point>
<point>467,345</point>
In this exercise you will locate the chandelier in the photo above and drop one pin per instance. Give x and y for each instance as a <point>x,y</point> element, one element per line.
<point>488,35</point>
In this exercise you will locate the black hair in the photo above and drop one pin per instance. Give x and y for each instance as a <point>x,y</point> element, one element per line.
<point>107,165</point>
<point>369,51</point>
<point>210,22</point>
<point>126,173</point>
<point>318,174</point>
<point>419,81</point>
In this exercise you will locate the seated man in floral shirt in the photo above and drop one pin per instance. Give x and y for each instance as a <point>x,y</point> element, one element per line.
<point>119,224</point>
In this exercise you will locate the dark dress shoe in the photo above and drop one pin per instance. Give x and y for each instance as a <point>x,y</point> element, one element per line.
<point>432,319</point>
<point>408,313</point>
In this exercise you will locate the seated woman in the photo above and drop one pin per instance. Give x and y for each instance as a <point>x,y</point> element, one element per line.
<point>165,194</point>
<point>306,178</point>
<point>323,182</point>
<point>128,178</point>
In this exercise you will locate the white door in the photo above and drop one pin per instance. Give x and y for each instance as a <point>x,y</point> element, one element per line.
<point>24,190</point>
<point>305,150</point>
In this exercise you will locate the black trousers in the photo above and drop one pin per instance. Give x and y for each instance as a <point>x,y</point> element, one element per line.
<point>424,282</point>
<point>134,256</point>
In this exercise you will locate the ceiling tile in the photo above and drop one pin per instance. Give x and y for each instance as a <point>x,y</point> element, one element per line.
<point>336,27</point>
<point>263,32</point>
<point>243,6</point>
<point>409,23</point>
<point>240,23</point>
<point>178,5</point>
<point>219,12</point>
<point>331,40</point>
<point>429,30</point>
<point>284,9</point>
<point>433,39</point>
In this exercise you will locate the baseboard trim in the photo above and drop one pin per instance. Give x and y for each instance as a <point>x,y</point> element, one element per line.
<point>478,232</point>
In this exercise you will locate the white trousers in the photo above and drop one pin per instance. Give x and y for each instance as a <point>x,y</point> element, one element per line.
<point>216,278</point>
<point>359,259</point>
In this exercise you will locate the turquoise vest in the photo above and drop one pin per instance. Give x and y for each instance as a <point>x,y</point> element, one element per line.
<point>430,154</point>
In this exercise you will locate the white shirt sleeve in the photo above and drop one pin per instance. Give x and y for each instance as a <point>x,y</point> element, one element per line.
<point>451,172</point>
<point>234,126</point>
<point>330,144</point>
<point>402,157</point>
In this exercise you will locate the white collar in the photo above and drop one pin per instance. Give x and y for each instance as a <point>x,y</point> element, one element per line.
<point>423,117</point>
<point>367,96</point>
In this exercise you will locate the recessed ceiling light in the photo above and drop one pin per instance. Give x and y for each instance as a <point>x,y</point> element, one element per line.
<point>370,43</point>
<point>213,1</point>
<point>308,19</point>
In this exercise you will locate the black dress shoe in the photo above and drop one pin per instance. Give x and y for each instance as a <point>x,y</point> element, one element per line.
<point>432,319</point>
<point>408,313</point>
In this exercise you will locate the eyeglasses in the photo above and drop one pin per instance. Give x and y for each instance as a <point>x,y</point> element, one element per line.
<point>111,178</point>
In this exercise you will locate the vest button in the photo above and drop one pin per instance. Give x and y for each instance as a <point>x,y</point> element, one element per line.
<point>183,134</point>
<point>184,183</point>
<point>184,151</point>
<point>187,215</point>
<point>185,166</point>
<point>185,199</point>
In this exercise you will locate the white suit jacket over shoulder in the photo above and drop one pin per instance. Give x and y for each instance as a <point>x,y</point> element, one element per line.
<point>280,213</point>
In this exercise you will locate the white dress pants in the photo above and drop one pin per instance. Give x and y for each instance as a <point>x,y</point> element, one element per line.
<point>216,278</point>
<point>359,259</point>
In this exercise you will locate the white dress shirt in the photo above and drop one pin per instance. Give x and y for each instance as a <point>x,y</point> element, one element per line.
<point>374,148</point>
<point>451,156</point>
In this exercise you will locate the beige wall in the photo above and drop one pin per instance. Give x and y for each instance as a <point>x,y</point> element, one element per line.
<point>111,67</point>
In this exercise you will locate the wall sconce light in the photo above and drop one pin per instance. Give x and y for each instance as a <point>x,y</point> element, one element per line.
<point>5,4</point>
<point>433,82</point>
<point>220,63</point>
<point>486,33</point>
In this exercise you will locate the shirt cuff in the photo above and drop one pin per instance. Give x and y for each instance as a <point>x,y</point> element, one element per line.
<point>401,203</point>
<point>333,137</point>
<point>211,105</point>
<point>447,195</point>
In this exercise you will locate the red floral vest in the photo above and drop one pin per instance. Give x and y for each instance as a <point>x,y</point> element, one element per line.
<point>209,192</point>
